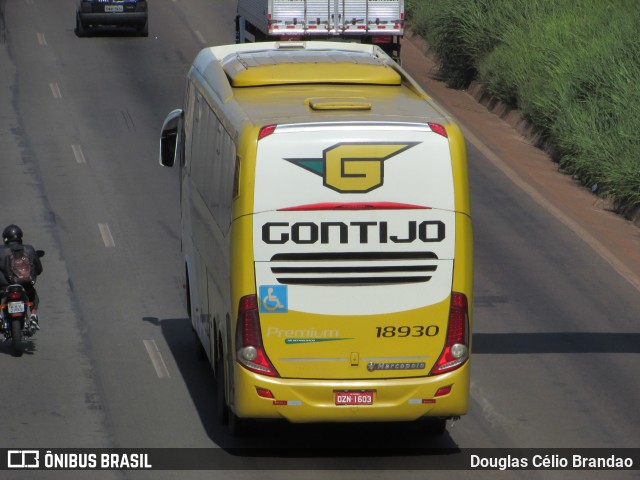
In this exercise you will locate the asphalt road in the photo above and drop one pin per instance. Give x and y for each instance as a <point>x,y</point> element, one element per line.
<point>556,340</point>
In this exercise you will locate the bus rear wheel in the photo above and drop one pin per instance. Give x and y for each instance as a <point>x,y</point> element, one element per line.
<point>222,410</point>
<point>434,425</point>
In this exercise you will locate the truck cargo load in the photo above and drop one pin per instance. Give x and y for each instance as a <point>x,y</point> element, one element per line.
<point>379,22</point>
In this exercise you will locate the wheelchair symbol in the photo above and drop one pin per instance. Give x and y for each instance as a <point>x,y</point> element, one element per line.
<point>270,298</point>
<point>274,298</point>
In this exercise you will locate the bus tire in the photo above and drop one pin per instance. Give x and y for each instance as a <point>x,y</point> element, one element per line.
<point>435,426</point>
<point>238,427</point>
<point>201,354</point>
<point>222,410</point>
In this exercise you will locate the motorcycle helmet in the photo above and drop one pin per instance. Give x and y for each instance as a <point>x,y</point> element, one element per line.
<point>12,233</point>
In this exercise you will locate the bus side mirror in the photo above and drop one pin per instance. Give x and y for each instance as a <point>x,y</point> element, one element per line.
<point>170,138</point>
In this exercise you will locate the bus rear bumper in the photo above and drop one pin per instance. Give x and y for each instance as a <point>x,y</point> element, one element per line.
<point>310,401</point>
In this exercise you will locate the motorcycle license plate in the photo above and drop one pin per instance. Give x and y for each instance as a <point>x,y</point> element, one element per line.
<point>354,398</point>
<point>16,307</point>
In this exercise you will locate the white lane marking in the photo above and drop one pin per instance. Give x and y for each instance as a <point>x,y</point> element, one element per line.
<point>107,238</point>
<point>77,152</point>
<point>539,198</point>
<point>156,358</point>
<point>41,39</point>
<point>199,36</point>
<point>55,90</point>
<point>491,415</point>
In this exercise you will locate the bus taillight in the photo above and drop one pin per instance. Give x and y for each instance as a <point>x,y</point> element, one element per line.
<point>456,349</point>
<point>249,348</point>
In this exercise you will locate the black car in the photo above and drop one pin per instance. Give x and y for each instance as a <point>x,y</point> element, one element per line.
<point>99,13</point>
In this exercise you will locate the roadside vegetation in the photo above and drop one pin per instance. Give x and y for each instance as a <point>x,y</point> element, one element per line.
<point>570,67</point>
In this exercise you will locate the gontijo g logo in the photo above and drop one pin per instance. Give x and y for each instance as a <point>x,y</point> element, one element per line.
<point>352,167</point>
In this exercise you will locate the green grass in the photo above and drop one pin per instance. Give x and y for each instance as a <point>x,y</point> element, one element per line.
<point>571,67</point>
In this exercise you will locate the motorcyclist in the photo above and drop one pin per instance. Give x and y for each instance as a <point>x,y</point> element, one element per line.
<point>12,237</point>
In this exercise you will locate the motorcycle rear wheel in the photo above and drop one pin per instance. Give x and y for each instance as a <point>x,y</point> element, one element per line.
<point>16,337</point>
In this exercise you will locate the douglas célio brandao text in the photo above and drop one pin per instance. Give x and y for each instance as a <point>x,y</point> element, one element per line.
<point>550,461</point>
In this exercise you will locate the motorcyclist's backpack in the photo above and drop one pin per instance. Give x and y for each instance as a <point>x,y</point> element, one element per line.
<point>21,269</point>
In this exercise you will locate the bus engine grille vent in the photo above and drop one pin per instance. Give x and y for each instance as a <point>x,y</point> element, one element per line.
<point>353,268</point>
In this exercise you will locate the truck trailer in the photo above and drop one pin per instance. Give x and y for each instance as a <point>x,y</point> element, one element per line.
<point>379,22</point>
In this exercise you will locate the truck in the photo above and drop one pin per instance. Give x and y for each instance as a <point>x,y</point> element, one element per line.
<point>379,22</point>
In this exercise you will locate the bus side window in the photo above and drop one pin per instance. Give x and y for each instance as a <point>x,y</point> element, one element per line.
<point>199,146</point>
<point>188,125</point>
<point>228,188</point>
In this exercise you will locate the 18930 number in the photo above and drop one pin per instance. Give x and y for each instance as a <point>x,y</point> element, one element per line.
<point>407,331</point>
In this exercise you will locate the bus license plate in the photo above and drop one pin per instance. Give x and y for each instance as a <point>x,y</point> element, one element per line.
<point>16,307</point>
<point>354,398</point>
<point>113,8</point>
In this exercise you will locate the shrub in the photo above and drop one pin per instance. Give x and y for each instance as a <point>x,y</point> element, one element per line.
<point>571,67</point>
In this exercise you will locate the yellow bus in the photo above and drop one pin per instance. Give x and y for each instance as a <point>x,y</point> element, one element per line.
<point>326,235</point>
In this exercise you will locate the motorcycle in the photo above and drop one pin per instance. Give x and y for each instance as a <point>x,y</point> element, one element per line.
<point>15,315</point>
<point>16,319</point>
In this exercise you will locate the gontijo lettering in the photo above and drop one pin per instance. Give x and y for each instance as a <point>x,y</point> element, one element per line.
<point>351,232</point>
